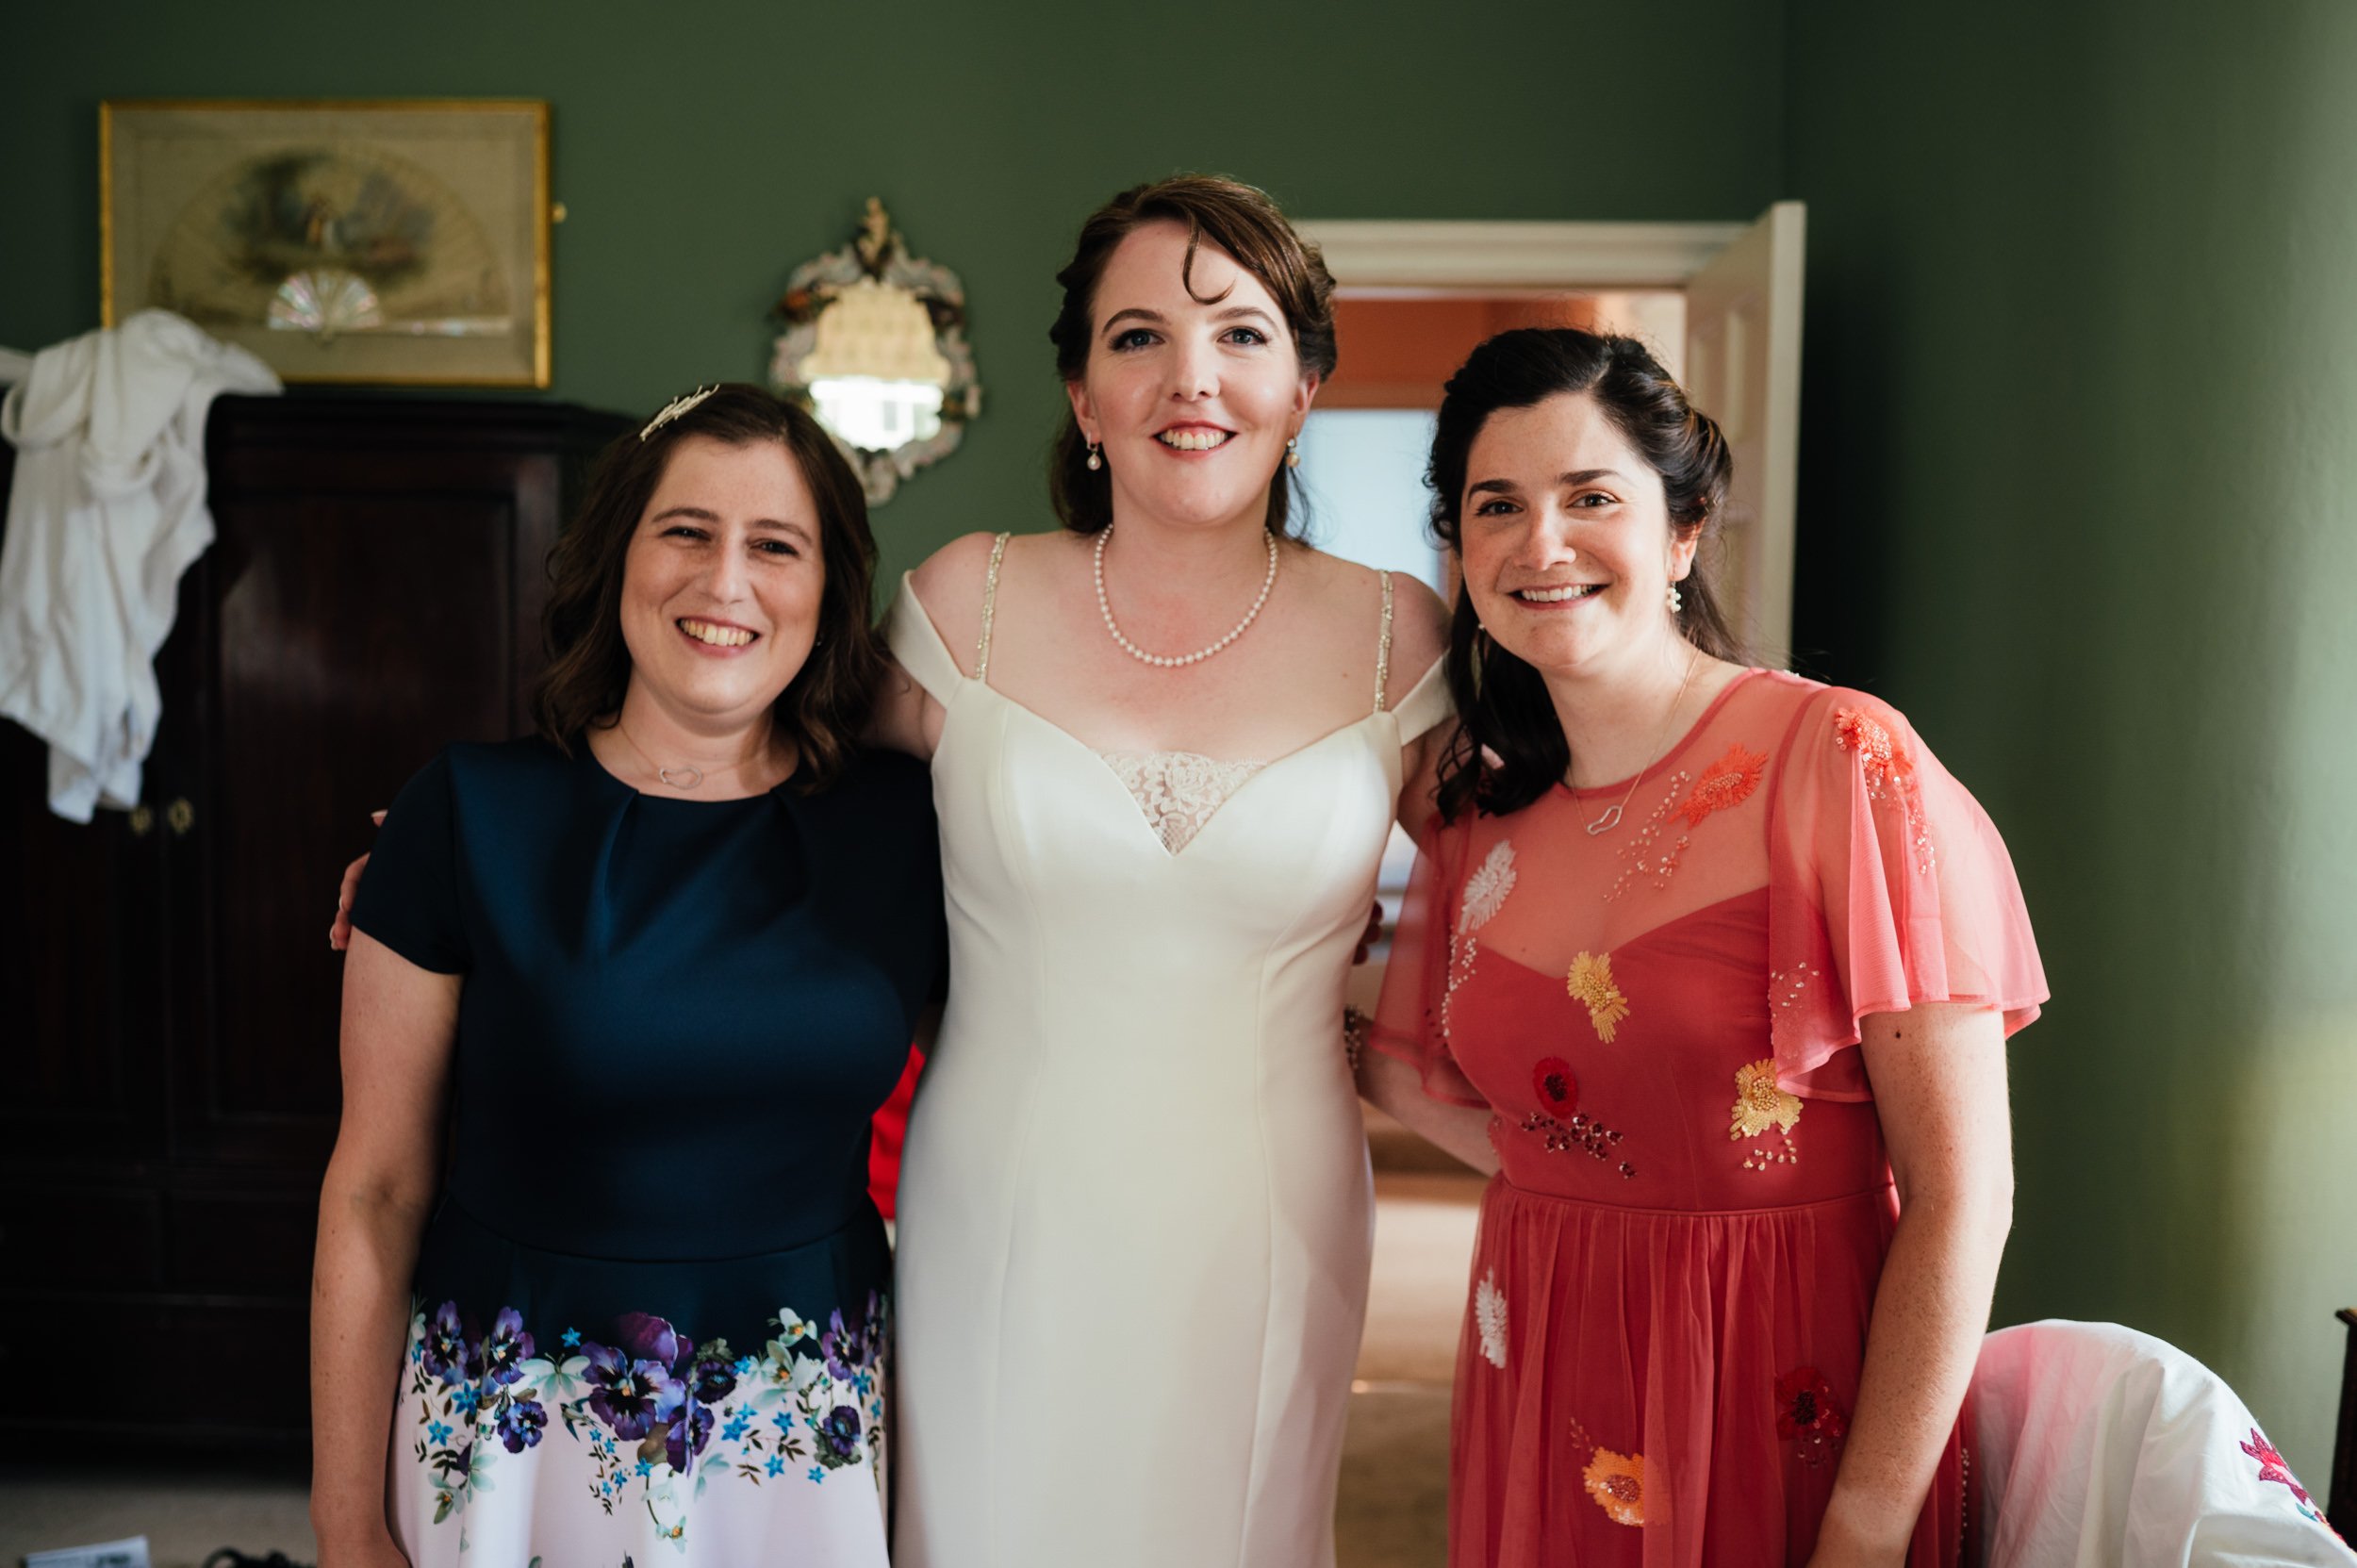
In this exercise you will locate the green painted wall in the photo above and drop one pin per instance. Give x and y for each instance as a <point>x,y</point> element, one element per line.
<point>704,150</point>
<point>2080,466</point>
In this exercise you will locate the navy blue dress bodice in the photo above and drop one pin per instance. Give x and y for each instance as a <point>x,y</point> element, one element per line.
<point>678,1017</point>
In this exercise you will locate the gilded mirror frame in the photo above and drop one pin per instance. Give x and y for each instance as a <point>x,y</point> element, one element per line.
<point>875,280</point>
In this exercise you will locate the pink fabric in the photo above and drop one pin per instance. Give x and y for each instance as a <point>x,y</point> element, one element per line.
<point>1885,876</point>
<point>1676,1269</point>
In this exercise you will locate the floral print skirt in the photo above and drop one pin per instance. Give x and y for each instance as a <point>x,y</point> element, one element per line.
<point>600,1439</point>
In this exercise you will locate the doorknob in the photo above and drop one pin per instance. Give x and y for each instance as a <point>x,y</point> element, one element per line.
<point>181,816</point>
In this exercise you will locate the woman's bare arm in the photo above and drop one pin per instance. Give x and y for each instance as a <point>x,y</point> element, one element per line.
<point>1396,1088</point>
<point>1938,1073</point>
<point>399,1025</point>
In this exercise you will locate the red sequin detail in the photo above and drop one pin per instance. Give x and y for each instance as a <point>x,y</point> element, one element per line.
<point>1808,1414</point>
<point>1558,1090</point>
<point>1728,782</point>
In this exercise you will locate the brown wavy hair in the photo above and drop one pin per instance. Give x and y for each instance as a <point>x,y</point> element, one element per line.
<point>1502,703</point>
<point>826,706</point>
<point>1236,217</point>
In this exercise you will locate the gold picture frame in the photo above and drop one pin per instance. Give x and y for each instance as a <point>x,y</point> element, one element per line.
<point>380,241</point>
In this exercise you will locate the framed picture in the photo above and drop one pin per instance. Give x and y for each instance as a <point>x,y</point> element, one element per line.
<point>396,241</point>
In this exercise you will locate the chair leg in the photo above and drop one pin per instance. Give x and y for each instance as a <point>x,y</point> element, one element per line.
<point>2341,1506</point>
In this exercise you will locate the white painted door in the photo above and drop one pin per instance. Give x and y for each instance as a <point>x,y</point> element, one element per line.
<point>1743,368</point>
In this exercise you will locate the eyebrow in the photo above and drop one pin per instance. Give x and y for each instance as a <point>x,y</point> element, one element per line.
<point>1155,318</point>
<point>701,514</point>
<point>1577,477</point>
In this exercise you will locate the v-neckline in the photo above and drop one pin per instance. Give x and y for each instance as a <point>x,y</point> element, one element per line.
<point>1137,808</point>
<point>1096,758</point>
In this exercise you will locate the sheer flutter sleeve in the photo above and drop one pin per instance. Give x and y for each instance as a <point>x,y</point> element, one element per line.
<point>1412,1020</point>
<point>1888,887</point>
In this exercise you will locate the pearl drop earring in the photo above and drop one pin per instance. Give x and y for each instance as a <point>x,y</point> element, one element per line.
<point>1678,600</point>
<point>1097,457</point>
<point>1293,452</point>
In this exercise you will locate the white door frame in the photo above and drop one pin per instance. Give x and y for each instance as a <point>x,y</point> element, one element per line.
<point>1443,256</point>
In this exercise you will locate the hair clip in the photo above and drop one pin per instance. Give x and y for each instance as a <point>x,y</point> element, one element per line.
<point>677,407</point>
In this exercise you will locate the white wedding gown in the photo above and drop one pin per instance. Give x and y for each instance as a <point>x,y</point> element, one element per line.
<point>1135,1211</point>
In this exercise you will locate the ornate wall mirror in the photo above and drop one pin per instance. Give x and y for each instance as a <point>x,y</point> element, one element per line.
<point>874,344</point>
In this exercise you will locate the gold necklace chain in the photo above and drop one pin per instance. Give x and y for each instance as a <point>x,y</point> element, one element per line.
<point>1611,819</point>
<point>695,775</point>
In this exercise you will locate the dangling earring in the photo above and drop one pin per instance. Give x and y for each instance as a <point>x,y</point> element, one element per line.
<point>1096,458</point>
<point>1293,452</point>
<point>1678,600</point>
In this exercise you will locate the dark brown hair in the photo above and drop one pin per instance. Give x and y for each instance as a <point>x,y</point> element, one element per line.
<point>1236,217</point>
<point>825,707</point>
<point>1502,701</point>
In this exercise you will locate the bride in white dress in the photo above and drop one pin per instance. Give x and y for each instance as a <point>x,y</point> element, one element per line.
<point>1168,745</point>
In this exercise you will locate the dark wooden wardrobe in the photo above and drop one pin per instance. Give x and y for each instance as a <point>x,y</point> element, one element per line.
<point>168,1001</point>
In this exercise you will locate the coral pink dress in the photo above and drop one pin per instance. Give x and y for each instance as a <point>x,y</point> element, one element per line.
<point>1677,1261</point>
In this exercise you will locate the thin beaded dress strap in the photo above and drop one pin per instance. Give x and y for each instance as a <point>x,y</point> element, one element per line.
<point>990,608</point>
<point>1383,647</point>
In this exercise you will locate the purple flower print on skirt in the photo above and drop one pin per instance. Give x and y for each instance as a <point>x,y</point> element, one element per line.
<point>838,1437</point>
<point>447,1353</point>
<point>502,1352</point>
<point>520,1425</point>
<point>635,1390</point>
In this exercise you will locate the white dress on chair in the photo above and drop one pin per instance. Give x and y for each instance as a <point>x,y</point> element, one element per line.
<point>2102,1447</point>
<point>1135,1213</point>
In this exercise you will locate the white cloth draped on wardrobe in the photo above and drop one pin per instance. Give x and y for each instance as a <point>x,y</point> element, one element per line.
<point>105,512</point>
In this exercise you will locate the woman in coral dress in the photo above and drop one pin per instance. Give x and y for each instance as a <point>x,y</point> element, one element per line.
<point>1714,967</point>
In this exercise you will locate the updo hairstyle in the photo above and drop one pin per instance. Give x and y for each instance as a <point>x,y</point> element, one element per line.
<point>1236,217</point>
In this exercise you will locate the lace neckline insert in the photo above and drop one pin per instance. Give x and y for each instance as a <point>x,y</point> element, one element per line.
<point>1178,791</point>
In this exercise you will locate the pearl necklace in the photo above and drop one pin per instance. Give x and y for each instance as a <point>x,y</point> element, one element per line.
<point>1166,661</point>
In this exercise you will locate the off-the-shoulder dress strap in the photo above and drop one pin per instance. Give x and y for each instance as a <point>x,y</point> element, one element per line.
<point>1427,701</point>
<point>990,608</point>
<point>1383,646</point>
<point>917,643</point>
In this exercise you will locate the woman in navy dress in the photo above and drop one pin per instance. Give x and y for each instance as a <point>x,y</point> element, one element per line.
<point>653,970</point>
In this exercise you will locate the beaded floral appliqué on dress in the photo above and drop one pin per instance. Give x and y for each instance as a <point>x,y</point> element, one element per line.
<point>1484,895</point>
<point>1808,1416</point>
<point>1760,1105</point>
<point>1178,791</point>
<point>1489,1319</point>
<point>1615,1480</point>
<point>1590,982</point>
<point>1890,773</point>
<point>1725,784</point>
<point>1561,1125</point>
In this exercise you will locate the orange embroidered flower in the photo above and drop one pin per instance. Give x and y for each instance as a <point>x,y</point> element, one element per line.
<point>1885,761</point>
<point>1617,1482</point>
<point>1590,982</point>
<point>1728,782</point>
<point>1760,1103</point>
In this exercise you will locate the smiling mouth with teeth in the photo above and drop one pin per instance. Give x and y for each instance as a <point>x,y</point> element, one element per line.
<point>717,636</point>
<point>1559,595</point>
<point>1197,439</point>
